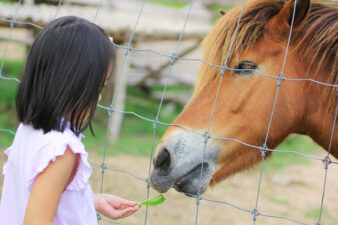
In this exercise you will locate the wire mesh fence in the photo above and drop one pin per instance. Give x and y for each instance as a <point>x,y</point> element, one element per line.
<point>205,136</point>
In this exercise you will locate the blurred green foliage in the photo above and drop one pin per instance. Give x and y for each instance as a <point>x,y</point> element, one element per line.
<point>315,212</point>
<point>172,4</point>
<point>6,1</point>
<point>298,143</point>
<point>136,134</point>
<point>11,69</point>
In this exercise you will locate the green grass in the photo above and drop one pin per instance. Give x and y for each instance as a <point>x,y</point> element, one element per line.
<point>7,121</point>
<point>278,201</point>
<point>285,214</point>
<point>137,144</point>
<point>297,143</point>
<point>136,134</point>
<point>132,140</point>
<point>181,88</point>
<point>12,69</point>
<point>172,4</point>
<point>6,1</point>
<point>314,213</point>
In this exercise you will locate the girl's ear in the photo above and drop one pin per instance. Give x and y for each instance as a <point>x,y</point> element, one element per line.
<point>280,23</point>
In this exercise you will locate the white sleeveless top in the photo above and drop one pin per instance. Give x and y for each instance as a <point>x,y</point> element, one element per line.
<point>30,153</point>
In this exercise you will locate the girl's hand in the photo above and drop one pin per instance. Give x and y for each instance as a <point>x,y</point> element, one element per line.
<point>114,207</point>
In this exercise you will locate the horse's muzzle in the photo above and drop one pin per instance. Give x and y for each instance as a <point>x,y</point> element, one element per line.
<point>183,162</point>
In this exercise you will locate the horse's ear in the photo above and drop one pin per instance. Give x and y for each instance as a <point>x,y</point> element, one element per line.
<point>282,21</point>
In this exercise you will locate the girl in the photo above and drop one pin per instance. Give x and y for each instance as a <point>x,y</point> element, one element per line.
<point>46,175</point>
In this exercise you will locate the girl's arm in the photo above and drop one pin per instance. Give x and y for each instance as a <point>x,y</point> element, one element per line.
<point>48,188</point>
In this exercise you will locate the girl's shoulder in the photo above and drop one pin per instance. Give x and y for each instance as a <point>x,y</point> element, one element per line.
<point>37,139</point>
<point>39,149</point>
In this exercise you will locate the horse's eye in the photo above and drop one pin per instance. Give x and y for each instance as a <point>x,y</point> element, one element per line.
<point>244,68</point>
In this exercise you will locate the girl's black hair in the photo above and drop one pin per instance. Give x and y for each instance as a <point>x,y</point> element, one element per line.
<point>65,72</point>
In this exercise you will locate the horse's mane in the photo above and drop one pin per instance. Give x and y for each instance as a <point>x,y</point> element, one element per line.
<point>315,41</point>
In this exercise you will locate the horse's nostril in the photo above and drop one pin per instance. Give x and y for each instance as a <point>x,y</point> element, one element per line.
<point>163,160</point>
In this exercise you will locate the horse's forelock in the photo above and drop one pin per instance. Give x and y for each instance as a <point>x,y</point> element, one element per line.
<point>217,43</point>
<point>320,54</point>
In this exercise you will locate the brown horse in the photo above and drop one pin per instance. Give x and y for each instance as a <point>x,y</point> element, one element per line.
<point>246,97</point>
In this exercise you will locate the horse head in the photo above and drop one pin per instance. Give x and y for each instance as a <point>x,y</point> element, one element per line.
<point>261,98</point>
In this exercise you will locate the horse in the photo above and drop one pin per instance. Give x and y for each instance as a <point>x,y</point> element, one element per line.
<point>243,64</point>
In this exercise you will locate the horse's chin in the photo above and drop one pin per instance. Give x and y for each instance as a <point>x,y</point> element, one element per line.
<point>193,182</point>
<point>196,181</point>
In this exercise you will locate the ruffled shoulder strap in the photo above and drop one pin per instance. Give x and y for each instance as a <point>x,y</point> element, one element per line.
<point>4,167</point>
<point>55,144</point>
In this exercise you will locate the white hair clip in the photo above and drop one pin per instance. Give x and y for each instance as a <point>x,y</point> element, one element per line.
<point>111,39</point>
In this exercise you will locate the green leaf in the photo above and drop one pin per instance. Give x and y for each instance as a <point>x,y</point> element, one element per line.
<point>153,201</point>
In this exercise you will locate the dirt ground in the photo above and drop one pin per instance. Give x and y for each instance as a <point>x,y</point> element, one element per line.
<point>294,192</point>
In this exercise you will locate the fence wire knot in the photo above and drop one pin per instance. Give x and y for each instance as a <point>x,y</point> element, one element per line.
<point>103,167</point>
<point>173,58</point>
<point>110,110</point>
<point>223,70</point>
<point>98,216</point>
<point>206,136</point>
<point>255,213</point>
<point>327,161</point>
<point>280,79</point>
<point>127,50</point>
<point>148,182</point>
<point>263,150</point>
<point>13,22</point>
<point>155,122</point>
<point>198,198</point>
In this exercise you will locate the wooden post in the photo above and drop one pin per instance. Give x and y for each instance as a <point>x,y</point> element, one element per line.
<point>29,2</point>
<point>119,103</point>
<point>30,33</point>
